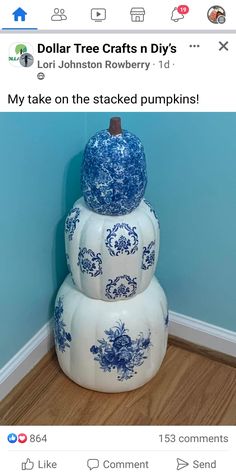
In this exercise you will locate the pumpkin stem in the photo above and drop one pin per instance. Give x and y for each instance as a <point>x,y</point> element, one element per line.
<point>115,126</point>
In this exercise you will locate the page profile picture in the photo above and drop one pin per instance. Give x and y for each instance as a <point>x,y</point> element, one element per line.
<point>16,51</point>
<point>26,60</point>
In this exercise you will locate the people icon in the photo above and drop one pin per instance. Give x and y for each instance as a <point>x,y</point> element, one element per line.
<point>58,15</point>
<point>62,13</point>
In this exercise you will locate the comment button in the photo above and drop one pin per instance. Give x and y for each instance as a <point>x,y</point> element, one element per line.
<point>92,463</point>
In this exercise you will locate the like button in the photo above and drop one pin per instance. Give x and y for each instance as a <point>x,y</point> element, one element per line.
<point>28,465</point>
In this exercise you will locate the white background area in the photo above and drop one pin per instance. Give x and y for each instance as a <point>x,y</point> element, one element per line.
<point>157,14</point>
<point>71,447</point>
<point>202,70</point>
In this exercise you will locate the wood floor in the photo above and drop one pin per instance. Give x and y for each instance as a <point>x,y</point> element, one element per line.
<point>189,389</point>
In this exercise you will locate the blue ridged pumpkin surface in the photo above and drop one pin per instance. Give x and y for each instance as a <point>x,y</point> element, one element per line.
<point>114,173</point>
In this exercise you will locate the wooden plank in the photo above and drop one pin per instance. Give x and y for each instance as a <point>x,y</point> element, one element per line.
<point>202,350</point>
<point>189,389</point>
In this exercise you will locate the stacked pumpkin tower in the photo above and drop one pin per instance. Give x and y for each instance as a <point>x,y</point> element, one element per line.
<point>111,313</point>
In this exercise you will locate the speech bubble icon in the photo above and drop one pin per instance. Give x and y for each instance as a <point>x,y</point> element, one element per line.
<point>92,463</point>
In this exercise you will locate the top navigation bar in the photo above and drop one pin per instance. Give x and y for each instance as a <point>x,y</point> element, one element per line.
<point>144,16</point>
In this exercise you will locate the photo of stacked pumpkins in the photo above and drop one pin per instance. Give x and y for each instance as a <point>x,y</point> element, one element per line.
<point>111,317</point>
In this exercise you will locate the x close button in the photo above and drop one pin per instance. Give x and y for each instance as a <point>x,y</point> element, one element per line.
<point>223,46</point>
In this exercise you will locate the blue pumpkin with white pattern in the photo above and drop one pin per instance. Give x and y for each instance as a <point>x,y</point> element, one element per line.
<point>114,174</point>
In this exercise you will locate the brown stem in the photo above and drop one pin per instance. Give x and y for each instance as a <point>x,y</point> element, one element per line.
<point>115,126</point>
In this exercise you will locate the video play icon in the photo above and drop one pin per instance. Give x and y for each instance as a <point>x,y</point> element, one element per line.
<point>181,464</point>
<point>98,14</point>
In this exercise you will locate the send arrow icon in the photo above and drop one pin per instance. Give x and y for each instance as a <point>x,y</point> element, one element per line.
<point>181,464</point>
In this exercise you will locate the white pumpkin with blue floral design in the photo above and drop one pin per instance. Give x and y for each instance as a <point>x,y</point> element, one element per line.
<point>112,257</point>
<point>110,346</point>
<point>111,317</point>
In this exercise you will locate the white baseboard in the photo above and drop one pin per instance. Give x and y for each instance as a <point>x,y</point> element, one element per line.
<point>187,328</point>
<point>15,370</point>
<point>202,333</point>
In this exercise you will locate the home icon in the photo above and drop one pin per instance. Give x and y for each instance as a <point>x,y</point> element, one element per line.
<point>19,13</point>
<point>137,14</point>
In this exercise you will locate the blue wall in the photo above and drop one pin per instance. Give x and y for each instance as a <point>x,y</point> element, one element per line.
<point>191,161</point>
<point>39,181</point>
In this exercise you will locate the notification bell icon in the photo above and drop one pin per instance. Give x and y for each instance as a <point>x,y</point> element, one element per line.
<point>176,16</point>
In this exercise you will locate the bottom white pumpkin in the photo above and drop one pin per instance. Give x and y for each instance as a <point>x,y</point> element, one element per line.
<point>110,346</point>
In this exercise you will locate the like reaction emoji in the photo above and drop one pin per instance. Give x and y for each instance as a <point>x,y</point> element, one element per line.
<point>12,438</point>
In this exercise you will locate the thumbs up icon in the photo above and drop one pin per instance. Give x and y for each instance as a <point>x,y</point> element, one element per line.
<point>28,465</point>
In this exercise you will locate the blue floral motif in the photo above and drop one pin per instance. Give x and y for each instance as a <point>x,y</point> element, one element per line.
<point>118,351</point>
<point>69,267</point>
<point>122,239</point>
<point>121,287</point>
<point>148,258</point>
<point>62,338</point>
<point>167,320</point>
<point>71,222</point>
<point>152,210</point>
<point>89,262</point>
<point>114,174</point>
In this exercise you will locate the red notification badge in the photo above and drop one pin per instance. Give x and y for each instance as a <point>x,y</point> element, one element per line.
<point>183,9</point>
<point>22,438</point>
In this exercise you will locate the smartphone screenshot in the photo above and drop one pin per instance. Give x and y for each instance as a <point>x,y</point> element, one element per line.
<point>118,258</point>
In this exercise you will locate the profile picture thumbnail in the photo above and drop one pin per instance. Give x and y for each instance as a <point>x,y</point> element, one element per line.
<point>216,15</point>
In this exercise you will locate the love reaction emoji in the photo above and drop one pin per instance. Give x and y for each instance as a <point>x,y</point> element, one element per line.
<point>22,438</point>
